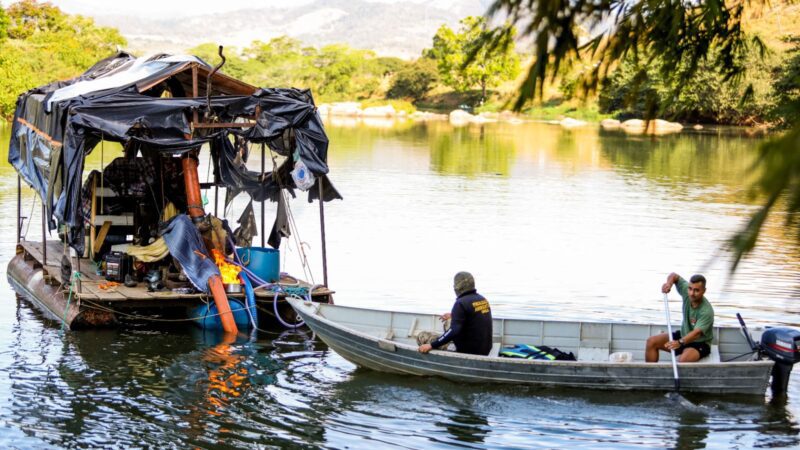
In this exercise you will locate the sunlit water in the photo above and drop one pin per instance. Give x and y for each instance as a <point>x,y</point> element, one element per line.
<point>579,224</point>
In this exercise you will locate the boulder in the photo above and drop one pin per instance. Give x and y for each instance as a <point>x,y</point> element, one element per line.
<point>346,109</point>
<point>379,111</point>
<point>459,117</point>
<point>610,124</point>
<point>324,109</point>
<point>656,126</point>
<point>569,122</point>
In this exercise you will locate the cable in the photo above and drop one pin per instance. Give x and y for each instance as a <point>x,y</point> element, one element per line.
<point>743,354</point>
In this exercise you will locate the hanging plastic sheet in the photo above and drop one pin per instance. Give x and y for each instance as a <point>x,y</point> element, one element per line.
<point>120,110</point>
<point>186,245</point>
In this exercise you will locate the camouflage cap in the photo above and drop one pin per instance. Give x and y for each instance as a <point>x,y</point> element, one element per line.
<point>463,282</point>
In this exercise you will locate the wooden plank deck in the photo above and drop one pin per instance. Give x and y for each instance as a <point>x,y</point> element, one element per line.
<point>89,286</point>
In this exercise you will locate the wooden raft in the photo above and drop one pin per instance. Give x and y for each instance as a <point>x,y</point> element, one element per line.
<point>88,287</point>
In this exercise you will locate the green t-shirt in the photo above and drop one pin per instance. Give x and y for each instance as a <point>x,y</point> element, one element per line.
<point>701,317</point>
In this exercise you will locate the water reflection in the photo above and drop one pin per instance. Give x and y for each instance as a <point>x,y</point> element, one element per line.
<point>471,151</point>
<point>467,425</point>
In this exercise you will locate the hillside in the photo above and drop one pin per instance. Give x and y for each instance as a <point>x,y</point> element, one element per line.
<point>392,29</point>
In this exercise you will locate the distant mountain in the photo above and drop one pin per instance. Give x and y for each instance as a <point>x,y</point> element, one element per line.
<point>398,29</point>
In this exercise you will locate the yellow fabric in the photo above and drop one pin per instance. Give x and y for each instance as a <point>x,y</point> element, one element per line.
<point>158,249</point>
<point>169,212</point>
<point>149,253</point>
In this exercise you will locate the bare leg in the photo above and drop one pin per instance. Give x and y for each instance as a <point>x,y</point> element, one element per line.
<point>654,344</point>
<point>689,355</point>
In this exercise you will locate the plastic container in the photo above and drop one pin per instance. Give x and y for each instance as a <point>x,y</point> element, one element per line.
<point>621,357</point>
<point>264,262</point>
<point>207,316</point>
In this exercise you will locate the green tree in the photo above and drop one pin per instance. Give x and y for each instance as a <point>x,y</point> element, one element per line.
<point>415,80</point>
<point>45,45</point>
<point>4,22</point>
<point>464,63</point>
<point>681,34</point>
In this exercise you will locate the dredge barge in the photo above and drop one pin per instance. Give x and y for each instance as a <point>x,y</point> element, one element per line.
<point>133,238</point>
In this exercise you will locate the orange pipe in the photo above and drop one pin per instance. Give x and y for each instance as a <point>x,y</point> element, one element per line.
<point>194,201</point>
<point>223,307</point>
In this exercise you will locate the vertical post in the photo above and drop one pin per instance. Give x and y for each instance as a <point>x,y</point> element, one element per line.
<point>19,208</point>
<point>216,200</point>
<point>92,230</point>
<point>263,167</point>
<point>44,235</point>
<point>322,230</point>
<point>195,93</point>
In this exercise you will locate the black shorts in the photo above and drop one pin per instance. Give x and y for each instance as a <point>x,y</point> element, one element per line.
<point>701,347</point>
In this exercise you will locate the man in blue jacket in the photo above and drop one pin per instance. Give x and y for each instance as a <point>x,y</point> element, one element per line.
<point>471,320</point>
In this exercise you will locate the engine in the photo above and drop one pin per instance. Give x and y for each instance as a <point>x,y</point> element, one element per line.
<point>781,345</point>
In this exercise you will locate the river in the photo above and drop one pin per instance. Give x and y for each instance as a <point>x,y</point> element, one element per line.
<point>553,223</point>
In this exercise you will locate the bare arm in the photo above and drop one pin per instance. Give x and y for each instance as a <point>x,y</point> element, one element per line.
<point>671,280</point>
<point>688,339</point>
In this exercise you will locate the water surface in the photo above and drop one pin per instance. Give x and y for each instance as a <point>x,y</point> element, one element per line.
<point>553,223</point>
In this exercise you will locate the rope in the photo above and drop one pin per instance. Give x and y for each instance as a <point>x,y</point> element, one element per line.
<point>30,215</point>
<point>75,276</point>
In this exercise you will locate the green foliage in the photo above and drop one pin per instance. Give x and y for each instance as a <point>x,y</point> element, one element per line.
<point>398,105</point>
<point>639,89</point>
<point>4,23</point>
<point>45,45</point>
<point>415,80</point>
<point>678,32</point>
<point>690,39</point>
<point>464,64</point>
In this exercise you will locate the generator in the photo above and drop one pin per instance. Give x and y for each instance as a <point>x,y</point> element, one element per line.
<point>118,264</point>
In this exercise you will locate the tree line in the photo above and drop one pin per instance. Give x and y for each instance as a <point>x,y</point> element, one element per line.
<point>39,44</point>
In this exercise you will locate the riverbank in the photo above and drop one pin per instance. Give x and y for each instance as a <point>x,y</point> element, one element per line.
<point>377,113</point>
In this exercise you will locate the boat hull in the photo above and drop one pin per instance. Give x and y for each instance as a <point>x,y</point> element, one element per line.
<point>388,356</point>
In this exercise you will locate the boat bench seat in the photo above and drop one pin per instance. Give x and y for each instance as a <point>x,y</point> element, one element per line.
<point>495,351</point>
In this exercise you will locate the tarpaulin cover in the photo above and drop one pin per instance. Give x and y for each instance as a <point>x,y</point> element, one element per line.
<point>49,145</point>
<point>186,245</point>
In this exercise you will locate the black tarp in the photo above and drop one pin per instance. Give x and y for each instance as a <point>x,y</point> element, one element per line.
<point>49,144</point>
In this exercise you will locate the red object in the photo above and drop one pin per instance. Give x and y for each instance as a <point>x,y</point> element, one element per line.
<point>194,201</point>
<point>223,307</point>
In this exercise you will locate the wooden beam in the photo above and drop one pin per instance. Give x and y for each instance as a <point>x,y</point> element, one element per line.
<point>224,124</point>
<point>92,231</point>
<point>101,237</point>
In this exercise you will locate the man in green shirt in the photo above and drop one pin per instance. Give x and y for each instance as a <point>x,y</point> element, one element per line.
<point>693,341</point>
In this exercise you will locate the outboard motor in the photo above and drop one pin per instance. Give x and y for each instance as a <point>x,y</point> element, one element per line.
<point>781,345</point>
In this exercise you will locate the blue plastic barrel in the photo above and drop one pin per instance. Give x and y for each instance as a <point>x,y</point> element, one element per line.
<point>264,262</point>
<point>207,316</point>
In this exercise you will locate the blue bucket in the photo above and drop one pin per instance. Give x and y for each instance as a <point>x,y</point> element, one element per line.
<point>264,262</point>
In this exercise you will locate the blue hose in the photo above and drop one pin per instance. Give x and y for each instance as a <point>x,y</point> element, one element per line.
<point>250,296</point>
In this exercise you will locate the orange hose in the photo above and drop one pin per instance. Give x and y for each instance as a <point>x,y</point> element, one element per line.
<point>223,307</point>
<point>194,201</point>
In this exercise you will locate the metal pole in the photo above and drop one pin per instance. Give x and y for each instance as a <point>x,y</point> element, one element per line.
<point>322,229</point>
<point>263,167</point>
<point>44,235</point>
<point>19,208</point>
<point>216,199</point>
